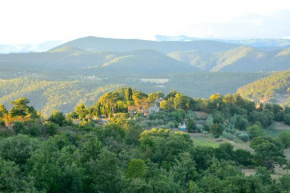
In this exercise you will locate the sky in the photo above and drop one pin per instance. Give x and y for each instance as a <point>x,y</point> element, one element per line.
<point>35,21</point>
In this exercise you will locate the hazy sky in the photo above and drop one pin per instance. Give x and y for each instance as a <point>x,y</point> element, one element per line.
<point>34,21</point>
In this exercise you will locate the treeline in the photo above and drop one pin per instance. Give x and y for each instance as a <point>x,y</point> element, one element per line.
<point>60,155</point>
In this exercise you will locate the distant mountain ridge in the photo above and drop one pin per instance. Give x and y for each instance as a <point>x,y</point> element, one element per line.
<point>126,45</point>
<point>84,54</point>
<point>241,59</point>
<point>78,60</point>
<point>263,44</point>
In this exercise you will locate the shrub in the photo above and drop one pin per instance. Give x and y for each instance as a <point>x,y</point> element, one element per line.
<point>228,136</point>
<point>2,123</point>
<point>243,136</point>
<point>255,131</point>
<point>51,128</point>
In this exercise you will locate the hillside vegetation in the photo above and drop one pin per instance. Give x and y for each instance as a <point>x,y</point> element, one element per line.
<point>48,94</point>
<point>242,59</point>
<point>127,45</point>
<point>270,88</point>
<point>131,151</point>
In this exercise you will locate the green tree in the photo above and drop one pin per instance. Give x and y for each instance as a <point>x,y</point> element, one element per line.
<point>129,94</point>
<point>19,127</point>
<point>11,179</point>
<point>284,183</point>
<point>21,108</point>
<point>216,101</point>
<point>184,170</point>
<point>285,138</point>
<point>241,123</point>
<point>81,111</point>
<point>286,119</point>
<point>18,148</point>
<point>268,152</point>
<point>136,168</point>
<point>216,129</point>
<point>191,125</point>
<point>51,128</point>
<point>255,131</point>
<point>103,175</point>
<point>57,117</point>
<point>3,111</point>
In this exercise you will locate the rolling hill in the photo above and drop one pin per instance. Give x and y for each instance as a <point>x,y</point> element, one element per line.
<point>72,59</point>
<point>241,59</point>
<point>262,44</point>
<point>127,45</point>
<point>145,62</point>
<point>274,88</point>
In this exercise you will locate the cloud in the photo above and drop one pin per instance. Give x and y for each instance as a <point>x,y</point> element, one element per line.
<point>246,26</point>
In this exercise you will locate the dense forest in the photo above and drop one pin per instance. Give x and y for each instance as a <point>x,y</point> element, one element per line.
<point>62,91</point>
<point>119,145</point>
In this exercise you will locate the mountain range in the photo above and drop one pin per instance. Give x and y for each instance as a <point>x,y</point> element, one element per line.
<point>241,59</point>
<point>87,67</point>
<point>262,44</point>
<point>141,56</point>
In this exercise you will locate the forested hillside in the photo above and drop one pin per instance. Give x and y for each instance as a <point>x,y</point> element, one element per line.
<point>241,59</point>
<point>48,93</point>
<point>127,45</point>
<point>137,152</point>
<point>72,59</point>
<point>271,88</point>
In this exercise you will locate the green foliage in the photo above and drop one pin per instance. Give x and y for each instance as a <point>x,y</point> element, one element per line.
<point>20,147</point>
<point>3,111</point>
<point>51,128</point>
<point>243,136</point>
<point>21,108</point>
<point>136,168</point>
<point>265,117</point>
<point>191,125</point>
<point>284,183</point>
<point>241,123</point>
<point>216,129</point>
<point>285,139</point>
<point>227,135</point>
<point>242,58</point>
<point>255,131</point>
<point>57,118</point>
<point>124,156</point>
<point>10,180</point>
<point>268,151</point>
<point>286,119</point>
<point>268,87</point>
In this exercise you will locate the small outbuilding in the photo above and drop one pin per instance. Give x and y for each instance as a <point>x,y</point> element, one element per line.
<point>182,127</point>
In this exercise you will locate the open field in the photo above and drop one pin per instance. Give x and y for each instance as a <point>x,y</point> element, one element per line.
<point>276,128</point>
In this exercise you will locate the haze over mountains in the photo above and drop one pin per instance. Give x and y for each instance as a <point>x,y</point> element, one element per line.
<point>263,44</point>
<point>243,58</point>
<point>23,48</point>
<point>141,56</point>
<point>82,69</point>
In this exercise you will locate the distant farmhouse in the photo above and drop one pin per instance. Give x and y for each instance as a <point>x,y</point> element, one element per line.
<point>154,107</point>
